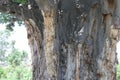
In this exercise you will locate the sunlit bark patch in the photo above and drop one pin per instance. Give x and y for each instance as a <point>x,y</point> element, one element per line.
<point>49,42</point>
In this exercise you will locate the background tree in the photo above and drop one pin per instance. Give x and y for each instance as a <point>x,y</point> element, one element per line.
<point>16,57</point>
<point>12,61</point>
<point>70,39</point>
<point>4,44</point>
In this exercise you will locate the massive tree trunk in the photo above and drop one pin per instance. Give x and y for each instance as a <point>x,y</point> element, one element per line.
<point>73,39</point>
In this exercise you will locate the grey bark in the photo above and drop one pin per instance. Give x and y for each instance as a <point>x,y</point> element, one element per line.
<point>72,39</point>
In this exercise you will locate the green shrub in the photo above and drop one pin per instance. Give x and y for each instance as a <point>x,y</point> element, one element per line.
<point>2,73</point>
<point>16,73</point>
<point>118,72</point>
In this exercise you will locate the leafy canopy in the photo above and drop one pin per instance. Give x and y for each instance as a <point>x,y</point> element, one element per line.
<point>20,1</point>
<point>9,20</point>
<point>16,68</point>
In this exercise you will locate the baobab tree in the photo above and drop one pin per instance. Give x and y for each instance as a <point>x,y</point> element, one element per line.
<point>70,39</point>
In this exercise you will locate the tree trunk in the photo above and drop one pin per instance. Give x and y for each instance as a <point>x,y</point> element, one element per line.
<point>73,39</point>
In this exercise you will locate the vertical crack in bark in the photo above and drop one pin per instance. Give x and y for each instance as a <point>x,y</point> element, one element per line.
<point>77,74</point>
<point>70,70</point>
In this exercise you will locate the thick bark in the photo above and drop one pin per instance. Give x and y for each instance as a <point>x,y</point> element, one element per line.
<point>87,40</point>
<point>73,39</point>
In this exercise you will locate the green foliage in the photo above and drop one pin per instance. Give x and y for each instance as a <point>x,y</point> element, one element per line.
<point>118,72</point>
<point>16,57</point>
<point>16,73</point>
<point>4,45</point>
<point>9,20</point>
<point>16,69</point>
<point>2,73</point>
<point>8,51</point>
<point>20,1</point>
<point>5,18</point>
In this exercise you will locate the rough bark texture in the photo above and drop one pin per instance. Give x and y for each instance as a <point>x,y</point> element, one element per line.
<point>73,39</point>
